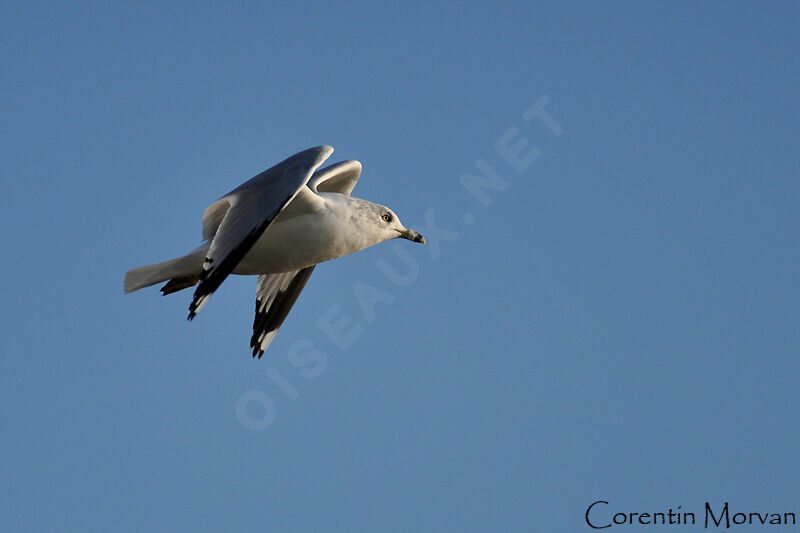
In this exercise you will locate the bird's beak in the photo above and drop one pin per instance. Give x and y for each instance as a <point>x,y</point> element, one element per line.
<point>412,235</point>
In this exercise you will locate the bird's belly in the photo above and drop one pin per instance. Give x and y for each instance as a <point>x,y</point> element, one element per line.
<point>292,245</point>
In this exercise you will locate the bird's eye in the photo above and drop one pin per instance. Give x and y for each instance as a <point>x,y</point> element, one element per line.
<point>386,217</point>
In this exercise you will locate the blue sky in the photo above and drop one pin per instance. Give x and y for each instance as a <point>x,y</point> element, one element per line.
<point>618,323</point>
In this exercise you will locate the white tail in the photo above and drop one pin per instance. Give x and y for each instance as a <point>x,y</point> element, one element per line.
<point>189,265</point>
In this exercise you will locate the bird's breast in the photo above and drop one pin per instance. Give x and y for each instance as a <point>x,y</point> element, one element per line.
<point>296,243</point>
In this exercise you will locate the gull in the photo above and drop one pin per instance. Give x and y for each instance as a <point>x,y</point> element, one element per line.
<point>278,226</point>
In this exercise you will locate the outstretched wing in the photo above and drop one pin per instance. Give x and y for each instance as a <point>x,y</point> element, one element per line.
<point>275,296</point>
<point>250,209</point>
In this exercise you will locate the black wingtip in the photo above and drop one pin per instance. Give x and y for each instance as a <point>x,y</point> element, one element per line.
<point>199,298</point>
<point>257,352</point>
<point>192,310</point>
<point>256,346</point>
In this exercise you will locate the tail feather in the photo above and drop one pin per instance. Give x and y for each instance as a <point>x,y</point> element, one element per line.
<point>182,273</point>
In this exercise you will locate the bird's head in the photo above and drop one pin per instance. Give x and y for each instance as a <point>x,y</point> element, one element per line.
<point>390,225</point>
<point>395,228</point>
<point>375,223</point>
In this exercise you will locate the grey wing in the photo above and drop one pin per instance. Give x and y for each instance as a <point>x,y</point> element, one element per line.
<point>248,211</point>
<point>339,177</point>
<point>275,296</point>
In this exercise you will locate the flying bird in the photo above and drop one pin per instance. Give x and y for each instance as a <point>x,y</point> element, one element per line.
<point>278,226</point>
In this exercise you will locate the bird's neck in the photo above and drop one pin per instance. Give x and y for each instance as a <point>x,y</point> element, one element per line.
<point>354,226</point>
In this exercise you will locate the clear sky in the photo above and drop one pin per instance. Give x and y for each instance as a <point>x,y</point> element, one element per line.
<point>613,318</point>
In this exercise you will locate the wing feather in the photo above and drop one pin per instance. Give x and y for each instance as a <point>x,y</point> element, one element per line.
<point>212,217</point>
<point>275,296</point>
<point>339,177</point>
